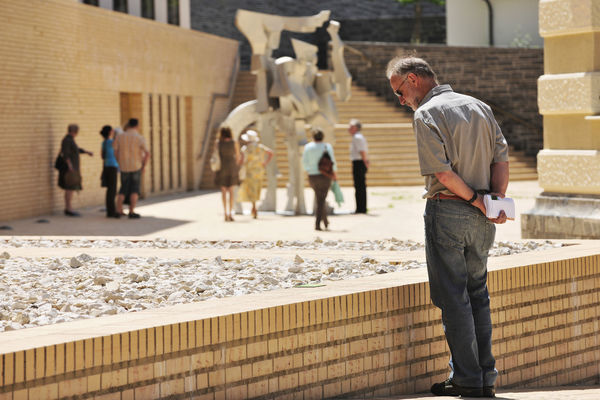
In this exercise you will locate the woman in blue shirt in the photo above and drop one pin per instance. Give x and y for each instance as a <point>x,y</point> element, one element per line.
<point>320,173</point>
<point>109,171</point>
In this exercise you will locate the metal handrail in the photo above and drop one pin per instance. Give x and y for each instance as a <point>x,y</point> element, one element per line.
<point>362,55</point>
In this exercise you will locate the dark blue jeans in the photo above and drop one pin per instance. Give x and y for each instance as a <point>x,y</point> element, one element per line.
<point>458,237</point>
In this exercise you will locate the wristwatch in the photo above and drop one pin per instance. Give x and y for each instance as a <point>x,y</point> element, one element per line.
<point>472,199</point>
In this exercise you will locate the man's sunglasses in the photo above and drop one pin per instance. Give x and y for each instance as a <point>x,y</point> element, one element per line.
<point>397,91</point>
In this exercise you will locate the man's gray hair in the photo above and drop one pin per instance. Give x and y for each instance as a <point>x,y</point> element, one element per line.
<point>356,123</point>
<point>400,65</point>
<point>73,128</point>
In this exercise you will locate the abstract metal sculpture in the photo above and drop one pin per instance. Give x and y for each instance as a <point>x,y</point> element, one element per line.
<point>291,93</point>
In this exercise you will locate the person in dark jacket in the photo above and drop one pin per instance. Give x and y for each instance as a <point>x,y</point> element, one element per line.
<point>69,178</point>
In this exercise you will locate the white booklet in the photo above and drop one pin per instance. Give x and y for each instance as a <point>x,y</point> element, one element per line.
<point>495,204</point>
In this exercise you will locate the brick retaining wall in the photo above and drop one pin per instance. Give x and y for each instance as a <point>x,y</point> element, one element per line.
<point>504,77</point>
<point>360,337</point>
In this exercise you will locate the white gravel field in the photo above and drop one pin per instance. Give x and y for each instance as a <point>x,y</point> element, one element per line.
<point>37,291</point>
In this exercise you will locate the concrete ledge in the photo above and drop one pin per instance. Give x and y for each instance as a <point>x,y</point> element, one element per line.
<point>558,217</point>
<point>370,336</point>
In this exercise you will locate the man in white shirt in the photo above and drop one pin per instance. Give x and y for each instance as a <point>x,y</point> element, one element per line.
<point>360,164</point>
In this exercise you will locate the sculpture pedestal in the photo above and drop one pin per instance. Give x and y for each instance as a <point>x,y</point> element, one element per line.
<point>560,216</point>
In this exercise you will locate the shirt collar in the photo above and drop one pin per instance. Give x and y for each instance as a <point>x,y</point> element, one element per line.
<point>439,89</point>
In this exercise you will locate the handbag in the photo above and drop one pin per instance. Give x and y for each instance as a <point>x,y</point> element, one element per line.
<point>215,161</point>
<point>60,163</point>
<point>325,164</point>
<point>72,178</point>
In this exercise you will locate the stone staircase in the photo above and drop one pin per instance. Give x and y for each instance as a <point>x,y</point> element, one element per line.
<point>388,130</point>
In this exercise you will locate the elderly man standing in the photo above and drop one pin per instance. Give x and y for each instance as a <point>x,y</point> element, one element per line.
<point>360,164</point>
<point>462,154</point>
<point>132,155</point>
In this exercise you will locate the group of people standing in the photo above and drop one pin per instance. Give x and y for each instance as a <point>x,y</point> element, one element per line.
<point>243,166</point>
<point>125,153</point>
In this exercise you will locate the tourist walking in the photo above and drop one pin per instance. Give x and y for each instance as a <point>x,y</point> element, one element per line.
<point>318,161</point>
<point>255,157</point>
<point>227,176</point>
<point>132,154</point>
<point>359,155</point>
<point>69,177</point>
<point>462,153</point>
<point>110,169</point>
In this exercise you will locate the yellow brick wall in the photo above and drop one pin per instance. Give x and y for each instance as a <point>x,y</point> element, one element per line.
<point>64,62</point>
<point>376,342</point>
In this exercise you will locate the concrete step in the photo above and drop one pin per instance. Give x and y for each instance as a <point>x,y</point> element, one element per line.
<point>388,129</point>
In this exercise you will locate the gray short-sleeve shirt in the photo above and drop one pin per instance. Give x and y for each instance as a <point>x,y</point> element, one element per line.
<point>459,133</point>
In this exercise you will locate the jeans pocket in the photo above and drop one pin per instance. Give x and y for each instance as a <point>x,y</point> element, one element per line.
<point>449,230</point>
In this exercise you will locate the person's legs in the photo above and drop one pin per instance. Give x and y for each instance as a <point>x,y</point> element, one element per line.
<point>224,201</point>
<point>312,180</point>
<point>322,188</point>
<point>476,256</point>
<point>360,189</point>
<point>133,198</point>
<point>123,191</point>
<point>68,200</point>
<point>230,191</point>
<point>133,188</point>
<point>119,206</point>
<point>254,212</point>
<point>447,224</point>
<point>110,175</point>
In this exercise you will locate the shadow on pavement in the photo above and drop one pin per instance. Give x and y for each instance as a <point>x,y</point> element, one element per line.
<point>90,224</point>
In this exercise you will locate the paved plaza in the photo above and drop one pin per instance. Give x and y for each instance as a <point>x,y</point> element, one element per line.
<point>393,212</point>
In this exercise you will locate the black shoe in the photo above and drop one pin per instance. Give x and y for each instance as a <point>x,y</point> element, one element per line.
<point>113,215</point>
<point>489,391</point>
<point>447,388</point>
<point>134,216</point>
<point>72,213</point>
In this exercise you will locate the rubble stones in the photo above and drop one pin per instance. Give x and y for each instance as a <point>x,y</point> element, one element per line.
<point>38,291</point>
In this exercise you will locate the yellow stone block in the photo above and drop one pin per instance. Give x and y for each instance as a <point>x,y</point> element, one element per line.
<point>50,367</point>
<point>572,53</point>
<point>43,392</point>
<point>573,93</point>
<point>93,383</point>
<point>19,367</point>
<point>565,17</point>
<point>89,353</point>
<point>72,387</point>
<point>569,171</point>
<point>172,387</point>
<point>79,355</point>
<point>29,365</point>
<point>140,373</point>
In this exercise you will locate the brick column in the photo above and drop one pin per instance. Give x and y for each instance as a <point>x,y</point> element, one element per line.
<point>569,100</point>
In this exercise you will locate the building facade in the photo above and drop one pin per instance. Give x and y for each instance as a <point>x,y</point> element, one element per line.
<point>65,62</point>
<point>504,23</point>
<point>174,12</point>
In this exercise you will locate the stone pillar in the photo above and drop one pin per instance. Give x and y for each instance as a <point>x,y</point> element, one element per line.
<point>569,100</point>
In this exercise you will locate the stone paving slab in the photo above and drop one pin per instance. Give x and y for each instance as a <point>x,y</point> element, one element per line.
<point>393,212</point>
<point>558,393</point>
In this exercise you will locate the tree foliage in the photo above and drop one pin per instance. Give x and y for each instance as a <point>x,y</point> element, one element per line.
<point>416,35</point>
